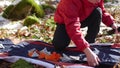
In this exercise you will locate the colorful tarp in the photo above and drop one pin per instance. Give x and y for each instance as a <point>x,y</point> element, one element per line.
<point>71,57</point>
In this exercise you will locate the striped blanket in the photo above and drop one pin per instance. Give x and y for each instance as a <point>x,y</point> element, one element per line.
<point>71,57</point>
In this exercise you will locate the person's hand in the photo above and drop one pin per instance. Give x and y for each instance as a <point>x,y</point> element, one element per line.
<point>92,58</point>
<point>94,1</point>
<point>115,27</point>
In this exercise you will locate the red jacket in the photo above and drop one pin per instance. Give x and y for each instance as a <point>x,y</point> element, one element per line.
<point>72,12</point>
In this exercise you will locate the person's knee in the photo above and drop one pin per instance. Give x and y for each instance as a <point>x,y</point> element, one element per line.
<point>98,12</point>
<point>59,46</point>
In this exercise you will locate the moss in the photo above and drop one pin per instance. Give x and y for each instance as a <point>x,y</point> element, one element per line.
<point>37,10</point>
<point>45,6</point>
<point>19,14</point>
<point>7,11</point>
<point>21,64</point>
<point>23,9</point>
<point>29,20</point>
<point>106,1</point>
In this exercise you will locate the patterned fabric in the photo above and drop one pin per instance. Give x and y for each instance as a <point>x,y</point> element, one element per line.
<point>71,56</point>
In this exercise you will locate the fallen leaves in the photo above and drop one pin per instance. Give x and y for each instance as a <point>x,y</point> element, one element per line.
<point>43,54</point>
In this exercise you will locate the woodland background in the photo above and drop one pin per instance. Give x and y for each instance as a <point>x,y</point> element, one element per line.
<point>16,31</point>
<point>44,30</point>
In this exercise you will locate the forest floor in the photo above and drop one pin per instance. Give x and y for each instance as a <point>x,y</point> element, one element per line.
<point>20,34</point>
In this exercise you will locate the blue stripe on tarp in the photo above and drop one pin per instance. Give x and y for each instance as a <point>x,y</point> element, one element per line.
<point>6,42</point>
<point>23,48</point>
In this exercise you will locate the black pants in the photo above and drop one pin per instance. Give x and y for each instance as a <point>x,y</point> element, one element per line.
<point>61,39</point>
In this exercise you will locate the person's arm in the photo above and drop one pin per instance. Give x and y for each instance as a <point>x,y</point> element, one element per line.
<point>92,58</point>
<point>72,23</point>
<point>70,13</point>
<point>107,18</point>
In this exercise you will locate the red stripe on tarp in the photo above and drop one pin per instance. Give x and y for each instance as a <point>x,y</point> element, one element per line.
<point>3,54</point>
<point>50,45</point>
<point>73,49</point>
<point>40,43</point>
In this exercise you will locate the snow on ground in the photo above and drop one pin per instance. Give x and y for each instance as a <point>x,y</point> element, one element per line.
<point>6,24</point>
<point>3,21</point>
<point>4,3</point>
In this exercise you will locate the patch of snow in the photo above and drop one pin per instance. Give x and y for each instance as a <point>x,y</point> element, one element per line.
<point>40,2</point>
<point>11,25</point>
<point>16,2</point>
<point>3,21</point>
<point>6,24</point>
<point>5,3</point>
